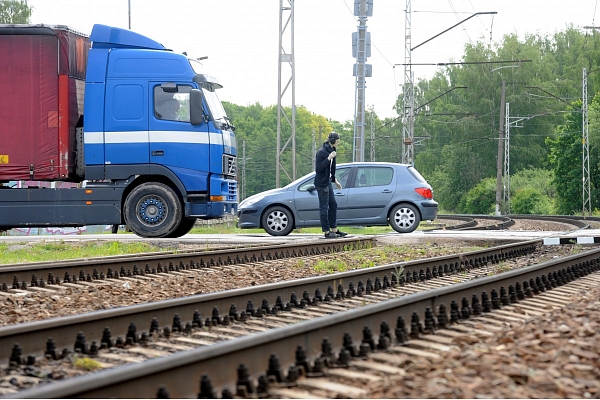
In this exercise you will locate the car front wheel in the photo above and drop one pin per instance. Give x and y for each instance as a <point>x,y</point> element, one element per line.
<point>404,218</point>
<point>278,221</point>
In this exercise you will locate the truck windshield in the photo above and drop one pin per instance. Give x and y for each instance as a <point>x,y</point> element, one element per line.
<point>208,85</point>
<point>215,107</point>
<point>217,111</point>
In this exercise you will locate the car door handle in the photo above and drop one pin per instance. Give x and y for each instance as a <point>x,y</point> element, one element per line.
<point>387,191</point>
<point>339,194</point>
<point>158,153</point>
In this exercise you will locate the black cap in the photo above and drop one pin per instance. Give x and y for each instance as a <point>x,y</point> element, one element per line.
<point>333,137</point>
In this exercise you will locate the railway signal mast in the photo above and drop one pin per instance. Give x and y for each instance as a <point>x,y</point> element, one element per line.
<point>361,50</point>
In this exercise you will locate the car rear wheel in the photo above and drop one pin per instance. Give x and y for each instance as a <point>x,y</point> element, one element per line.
<point>278,221</point>
<point>404,218</point>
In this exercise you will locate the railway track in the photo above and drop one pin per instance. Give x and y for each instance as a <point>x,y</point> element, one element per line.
<point>426,272</point>
<point>33,336</point>
<point>209,326</point>
<point>38,275</point>
<point>487,222</point>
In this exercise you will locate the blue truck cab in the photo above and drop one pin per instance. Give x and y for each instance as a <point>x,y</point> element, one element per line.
<point>153,147</point>
<point>151,115</point>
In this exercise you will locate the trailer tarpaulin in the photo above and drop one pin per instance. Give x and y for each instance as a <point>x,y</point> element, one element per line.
<point>41,76</point>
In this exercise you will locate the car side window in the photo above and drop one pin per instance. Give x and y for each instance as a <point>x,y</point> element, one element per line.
<point>306,185</point>
<point>373,176</point>
<point>341,175</point>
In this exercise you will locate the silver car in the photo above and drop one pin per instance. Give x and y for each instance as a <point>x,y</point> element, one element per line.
<point>373,193</point>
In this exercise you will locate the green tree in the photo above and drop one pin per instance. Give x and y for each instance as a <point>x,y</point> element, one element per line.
<point>566,160</point>
<point>14,12</point>
<point>532,192</point>
<point>470,118</point>
<point>530,201</point>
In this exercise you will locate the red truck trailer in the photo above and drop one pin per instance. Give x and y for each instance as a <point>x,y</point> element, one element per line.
<point>41,103</point>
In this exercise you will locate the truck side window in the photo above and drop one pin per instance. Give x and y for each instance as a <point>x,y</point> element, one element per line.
<point>172,106</point>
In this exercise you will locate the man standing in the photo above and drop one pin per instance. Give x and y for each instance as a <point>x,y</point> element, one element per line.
<point>324,179</point>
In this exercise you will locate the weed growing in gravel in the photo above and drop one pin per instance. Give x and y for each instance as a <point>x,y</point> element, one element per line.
<point>367,264</point>
<point>500,268</point>
<point>330,266</point>
<point>398,272</point>
<point>86,363</point>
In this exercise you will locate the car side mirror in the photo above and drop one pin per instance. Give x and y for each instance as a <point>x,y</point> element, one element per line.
<point>311,188</point>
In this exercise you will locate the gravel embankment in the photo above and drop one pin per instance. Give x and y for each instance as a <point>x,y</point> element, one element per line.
<point>553,356</point>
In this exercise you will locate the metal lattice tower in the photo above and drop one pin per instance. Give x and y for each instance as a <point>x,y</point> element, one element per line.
<point>507,161</point>
<point>508,123</point>
<point>408,94</point>
<point>243,177</point>
<point>372,134</point>
<point>587,206</point>
<point>286,58</point>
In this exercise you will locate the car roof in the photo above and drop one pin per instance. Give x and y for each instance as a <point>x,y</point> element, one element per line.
<point>371,163</point>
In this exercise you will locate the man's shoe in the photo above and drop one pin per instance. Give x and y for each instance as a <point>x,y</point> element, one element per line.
<point>340,233</point>
<point>331,235</point>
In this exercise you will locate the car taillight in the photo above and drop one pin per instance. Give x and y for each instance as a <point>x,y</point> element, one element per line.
<point>425,192</point>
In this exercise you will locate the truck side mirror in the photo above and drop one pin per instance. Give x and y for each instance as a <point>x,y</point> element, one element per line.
<point>196,110</point>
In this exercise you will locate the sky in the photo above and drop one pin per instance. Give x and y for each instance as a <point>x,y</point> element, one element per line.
<point>241,40</point>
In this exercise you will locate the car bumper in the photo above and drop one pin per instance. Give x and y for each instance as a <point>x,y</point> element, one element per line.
<point>429,210</point>
<point>248,218</point>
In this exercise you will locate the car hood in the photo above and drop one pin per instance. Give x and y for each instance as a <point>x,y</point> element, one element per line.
<point>259,196</point>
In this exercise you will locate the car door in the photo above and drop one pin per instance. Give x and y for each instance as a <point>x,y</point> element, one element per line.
<point>306,200</point>
<point>371,192</point>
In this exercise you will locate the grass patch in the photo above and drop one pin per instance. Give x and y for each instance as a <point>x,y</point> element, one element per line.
<point>331,266</point>
<point>86,363</point>
<point>26,252</point>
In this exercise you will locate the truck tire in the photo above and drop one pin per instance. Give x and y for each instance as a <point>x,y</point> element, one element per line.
<point>404,218</point>
<point>184,227</point>
<point>278,221</point>
<point>152,210</point>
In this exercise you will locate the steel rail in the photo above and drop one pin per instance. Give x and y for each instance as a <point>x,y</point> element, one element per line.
<point>228,366</point>
<point>469,221</point>
<point>579,222</point>
<point>24,275</point>
<point>33,336</point>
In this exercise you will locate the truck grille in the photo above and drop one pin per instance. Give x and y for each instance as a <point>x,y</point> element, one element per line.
<point>229,165</point>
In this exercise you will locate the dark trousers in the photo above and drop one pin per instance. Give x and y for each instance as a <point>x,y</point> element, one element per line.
<point>327,207</point>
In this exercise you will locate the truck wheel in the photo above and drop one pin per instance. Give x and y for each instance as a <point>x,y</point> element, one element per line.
<point>152,210</point>
<point>184,227</point>
<point>278,221</point>
<point>404,218</point>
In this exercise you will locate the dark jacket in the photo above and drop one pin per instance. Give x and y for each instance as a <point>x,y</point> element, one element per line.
<point>324,168</point>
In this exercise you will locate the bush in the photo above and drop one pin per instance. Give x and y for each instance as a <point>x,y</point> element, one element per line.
<point>530,201</point>
<point>482,198</point>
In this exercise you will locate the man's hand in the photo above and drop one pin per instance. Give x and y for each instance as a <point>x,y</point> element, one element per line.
<point>338,184</point>
<point>331,155</point>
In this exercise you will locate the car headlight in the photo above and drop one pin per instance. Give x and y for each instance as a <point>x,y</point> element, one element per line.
<point>250,201</point>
